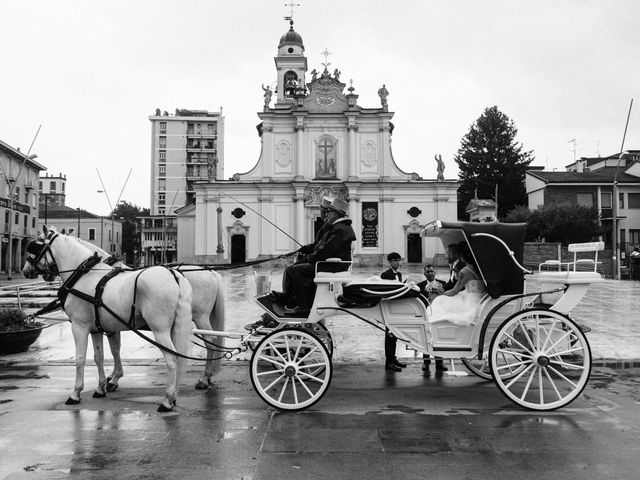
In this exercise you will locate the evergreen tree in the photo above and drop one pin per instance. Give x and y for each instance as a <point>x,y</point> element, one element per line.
<point>488,157</point>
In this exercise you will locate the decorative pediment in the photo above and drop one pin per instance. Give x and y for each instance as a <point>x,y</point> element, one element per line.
<point>325,95</point>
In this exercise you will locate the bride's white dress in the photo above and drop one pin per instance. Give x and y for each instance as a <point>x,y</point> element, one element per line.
<point>459,309</point>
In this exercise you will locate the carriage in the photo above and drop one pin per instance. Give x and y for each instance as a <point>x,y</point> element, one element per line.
<point>526,343</point>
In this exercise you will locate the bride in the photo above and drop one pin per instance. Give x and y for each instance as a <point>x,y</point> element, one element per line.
<point>458,305</point>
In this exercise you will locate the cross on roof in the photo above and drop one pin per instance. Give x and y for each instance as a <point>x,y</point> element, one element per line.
<point>291,5</point>
<point>326,63</point>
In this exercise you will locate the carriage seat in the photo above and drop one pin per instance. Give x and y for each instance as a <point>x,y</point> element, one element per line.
<point>369,294</point>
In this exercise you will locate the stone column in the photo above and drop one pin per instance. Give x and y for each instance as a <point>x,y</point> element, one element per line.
<point>299,152</point>
<point>299,201</point>
<point>352,151</point>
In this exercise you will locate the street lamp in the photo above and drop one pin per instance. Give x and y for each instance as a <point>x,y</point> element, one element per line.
<point>614,205</point>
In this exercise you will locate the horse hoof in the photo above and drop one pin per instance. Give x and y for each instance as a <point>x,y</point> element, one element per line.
<point>99,395</point>
<point>163,409</point>
<point>112,387</point>
<point>71,401</point>
<point>201,385</point>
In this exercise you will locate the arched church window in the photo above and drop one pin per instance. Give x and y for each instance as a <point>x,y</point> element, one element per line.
<point>290,83</point>
<point>326,158</point>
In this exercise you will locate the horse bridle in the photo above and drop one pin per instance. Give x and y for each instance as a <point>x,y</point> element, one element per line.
<point>40,248</point>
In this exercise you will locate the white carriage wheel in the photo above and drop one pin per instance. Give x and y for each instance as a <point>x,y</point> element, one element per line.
<point>291,369</point>
<point>552,356</point>
<point>322,332</point>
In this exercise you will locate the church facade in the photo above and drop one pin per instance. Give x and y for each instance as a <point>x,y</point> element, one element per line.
<point>315,141</point>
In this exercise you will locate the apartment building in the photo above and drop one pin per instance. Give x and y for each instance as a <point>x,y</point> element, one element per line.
<point>19,205</point>
<point>186,147</point>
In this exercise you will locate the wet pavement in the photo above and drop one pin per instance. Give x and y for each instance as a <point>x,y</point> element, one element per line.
<point>370,424</point>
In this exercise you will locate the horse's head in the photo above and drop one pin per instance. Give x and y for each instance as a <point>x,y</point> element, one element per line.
<point>39,259</point>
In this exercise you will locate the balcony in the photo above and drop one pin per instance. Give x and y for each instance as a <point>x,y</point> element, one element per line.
<point>606,213</point>
<point>202,133</point>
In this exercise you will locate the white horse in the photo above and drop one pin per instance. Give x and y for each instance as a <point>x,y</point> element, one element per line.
<point>162,302</point>
<point>207,310</point>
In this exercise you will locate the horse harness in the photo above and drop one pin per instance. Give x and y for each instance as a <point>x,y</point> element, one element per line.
<point>67,287</point>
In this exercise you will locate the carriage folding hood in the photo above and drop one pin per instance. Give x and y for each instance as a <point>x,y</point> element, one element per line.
<point>495,258</point>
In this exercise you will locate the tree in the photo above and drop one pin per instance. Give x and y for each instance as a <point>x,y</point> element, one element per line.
<point>559,223</point>
<point>130,228</point>
<point>488,157</point>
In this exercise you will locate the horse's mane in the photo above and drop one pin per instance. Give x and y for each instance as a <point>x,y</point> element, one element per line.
<point>92,246</point>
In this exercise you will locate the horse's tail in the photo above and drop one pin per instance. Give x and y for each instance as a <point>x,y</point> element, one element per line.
<point>181,330</point>
<point>217,316</point>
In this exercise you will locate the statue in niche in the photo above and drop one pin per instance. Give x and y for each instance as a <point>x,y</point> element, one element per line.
<point>383,93</point>
<point>440,168</point>
<point>267,95</point>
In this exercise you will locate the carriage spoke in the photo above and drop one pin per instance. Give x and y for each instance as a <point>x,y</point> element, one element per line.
<point>551,349</point>
<point>508,335</point>
<point>526,334</point>
<point>553,384</point>
<point>287,347</point>
<point>517,377</point>
<point>514,364</point>
<point>275,349</point>
<point>546,340</point>
<point>526,388</point>
<point>311,365</point>
<point>561,375</point>
<point>311,377</point>
<point>514,353</point>
<point>275,382</point>
<point>304,386</point>
<point>271,360</point>
<point>540,387</point>
<point>284,388</point>
<point>295,391</point>
<point>314,349</point>
<point>568,366</point>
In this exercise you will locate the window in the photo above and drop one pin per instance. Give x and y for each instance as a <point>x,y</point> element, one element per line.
<point>163,127</point>
<point>40,186</point>
<point>26,221</point>
<point>26,197</point>
<point>163,142</point>
<point>16,219</point>
<point>621,200</point>
<point>161,198</point>
<point>6,216</point>
<point>92,234</point>
<point>584,199</point>
<point>605,200</point>
<point>161,211</point>
<point>33,222</point>
<point>162,170</point>
<point>109,234</point>
<point>634,236</point>
<point>17,194</point>
<point>211,128</point>
<point>117,237</point>
<point>163,156</point>
<point>63,184</point>
<point>52,186</point>
<point>634,200</point>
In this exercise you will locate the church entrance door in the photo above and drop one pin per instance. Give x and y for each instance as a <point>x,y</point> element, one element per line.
<point>414,248</point>
<point>238,248</point>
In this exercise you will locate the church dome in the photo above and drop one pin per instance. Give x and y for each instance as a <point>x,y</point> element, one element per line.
<point>291,38</point>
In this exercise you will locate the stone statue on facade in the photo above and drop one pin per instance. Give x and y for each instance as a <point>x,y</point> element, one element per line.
<point>314,75</point>
<point>267,95</point>
<point>157,112</point>
<point>383,93</point>
<point>440,177</point>
<point>336,74</point>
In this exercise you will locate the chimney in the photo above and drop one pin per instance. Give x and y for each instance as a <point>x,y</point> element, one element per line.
<point>580,166</point>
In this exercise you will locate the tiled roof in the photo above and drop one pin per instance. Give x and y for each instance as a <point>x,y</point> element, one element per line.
<point>67,212</point>
<point>602,175</point>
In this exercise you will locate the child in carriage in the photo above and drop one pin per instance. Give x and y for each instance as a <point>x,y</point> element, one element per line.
<point>458,304</point>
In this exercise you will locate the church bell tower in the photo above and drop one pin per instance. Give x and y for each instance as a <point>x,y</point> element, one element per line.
<point>291,65</point>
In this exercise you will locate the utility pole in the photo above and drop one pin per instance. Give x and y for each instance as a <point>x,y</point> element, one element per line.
<point>614,205</point>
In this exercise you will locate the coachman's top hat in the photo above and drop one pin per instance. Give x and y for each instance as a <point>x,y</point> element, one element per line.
<point>339,206</point>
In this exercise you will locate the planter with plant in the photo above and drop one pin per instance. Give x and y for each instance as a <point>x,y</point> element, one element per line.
<point>17,330</point>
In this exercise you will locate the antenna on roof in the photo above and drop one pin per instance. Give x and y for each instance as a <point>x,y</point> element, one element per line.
<point>574,148</point>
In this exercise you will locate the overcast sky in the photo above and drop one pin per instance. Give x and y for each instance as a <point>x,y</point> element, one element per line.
<point>92,72</point>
